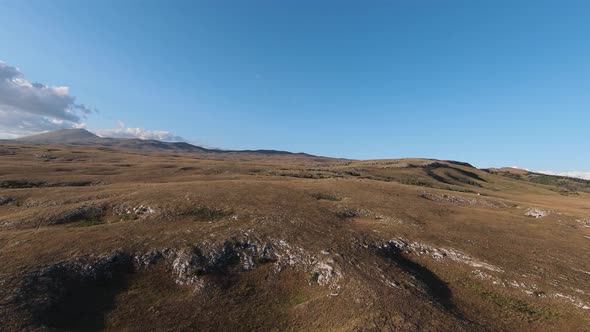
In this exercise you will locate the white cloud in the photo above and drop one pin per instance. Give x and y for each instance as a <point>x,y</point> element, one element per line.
<point>525,169</point>
<point>572,174</point>
<point>124,132</point>
<point>29,108</point>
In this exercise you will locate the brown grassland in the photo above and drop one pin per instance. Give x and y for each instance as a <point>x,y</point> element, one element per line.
<point>103,239</point>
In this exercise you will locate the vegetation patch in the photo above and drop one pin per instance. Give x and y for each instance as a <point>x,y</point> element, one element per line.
<point>187,168</point>
<point>298,298</point>
<point>200,213</point>
<point>412,181</point>
<point>352,173</point>
<point>346,214</point>
<point>509,303</point>
<point>84,216</point>
<point>88,222</point>
<point>17,184</point>
<point>327,196</point>
<point>353,213</point>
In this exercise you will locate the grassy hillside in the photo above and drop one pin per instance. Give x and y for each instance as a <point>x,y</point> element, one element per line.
<point>564,185</point>
<point>97,239</point>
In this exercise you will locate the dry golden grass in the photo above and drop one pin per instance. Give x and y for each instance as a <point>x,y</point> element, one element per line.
<point>474,261</point>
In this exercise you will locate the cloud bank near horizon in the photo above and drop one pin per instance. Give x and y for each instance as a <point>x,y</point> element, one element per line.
<point>125,132</point>
<point>29,107</point>
<point>571,174</point>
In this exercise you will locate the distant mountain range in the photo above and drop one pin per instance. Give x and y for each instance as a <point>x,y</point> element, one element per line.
<point>82,137</point>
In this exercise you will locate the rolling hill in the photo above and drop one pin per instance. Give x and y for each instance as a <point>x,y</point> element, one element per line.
<point>82,137</point>
<point>105,238</point>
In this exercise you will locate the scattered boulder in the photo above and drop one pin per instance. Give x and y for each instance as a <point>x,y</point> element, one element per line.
<point>536,213</point>
<point>324,273</point>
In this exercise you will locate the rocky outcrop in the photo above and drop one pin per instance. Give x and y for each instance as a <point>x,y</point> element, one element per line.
<point>438,254</point>
<point>190,266</point>
<point>136,212</point>
<point>536,213</point>
<point>460,200</point>
<point>67,286</point>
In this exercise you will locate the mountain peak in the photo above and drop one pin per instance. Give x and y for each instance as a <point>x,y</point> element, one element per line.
<point>60,136</point>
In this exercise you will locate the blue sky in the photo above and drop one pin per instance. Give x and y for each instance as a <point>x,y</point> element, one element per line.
<point>494,83</point>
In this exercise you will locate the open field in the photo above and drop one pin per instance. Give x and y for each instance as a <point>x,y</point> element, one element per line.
<point>100,238</point>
